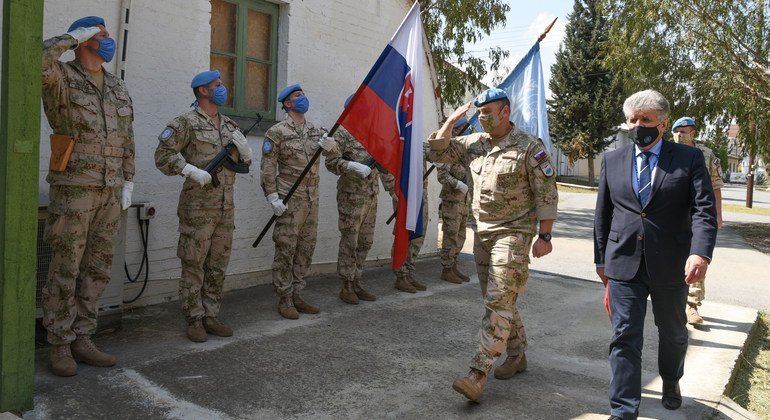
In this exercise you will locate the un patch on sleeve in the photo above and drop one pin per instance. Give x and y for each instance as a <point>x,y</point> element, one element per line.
<point>547,169</point>
<point>267,146</point>
<point>166,133</point>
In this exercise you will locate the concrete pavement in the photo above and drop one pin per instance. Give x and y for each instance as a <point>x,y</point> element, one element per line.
<point>397,357</point>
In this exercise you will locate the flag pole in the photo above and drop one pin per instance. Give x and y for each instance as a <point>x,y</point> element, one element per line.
<point>294,187</point>
<point>548,29</point>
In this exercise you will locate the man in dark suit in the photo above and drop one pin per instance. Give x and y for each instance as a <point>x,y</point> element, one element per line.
<point>654,233</point>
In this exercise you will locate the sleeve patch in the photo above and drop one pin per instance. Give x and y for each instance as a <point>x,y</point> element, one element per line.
<point>267,146</point>
<point>166,133</point>
<point>540,156</point>
<point>547,169</point>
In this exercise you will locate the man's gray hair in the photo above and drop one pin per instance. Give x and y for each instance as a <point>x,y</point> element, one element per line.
<point>647,100</point>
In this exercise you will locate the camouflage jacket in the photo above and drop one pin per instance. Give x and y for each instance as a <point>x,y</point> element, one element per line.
<point>448,175</point>
<point>713,165</point>
<point>350,150</point>
<point>100,122</point>
<point>287,149</point>
<point>195,139</point>
<point>513,182</point>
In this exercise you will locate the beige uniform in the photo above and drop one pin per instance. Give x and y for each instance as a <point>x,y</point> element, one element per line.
<point>697,291</point>
<point>206,214</point>
<point>84,210</point>
<point>513,188</point>
<point>356,203</point>
<point>287,149</point>
<point>453,211</point>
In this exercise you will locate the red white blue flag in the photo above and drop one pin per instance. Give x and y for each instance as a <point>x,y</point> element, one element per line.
<point>385,115</point>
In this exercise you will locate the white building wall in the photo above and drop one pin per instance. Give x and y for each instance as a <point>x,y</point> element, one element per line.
<point>326,45</point>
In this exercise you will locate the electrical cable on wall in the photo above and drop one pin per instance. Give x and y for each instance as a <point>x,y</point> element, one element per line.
<point>144,231</point>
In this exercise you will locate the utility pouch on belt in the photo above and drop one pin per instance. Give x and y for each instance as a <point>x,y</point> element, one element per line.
<point>61,150</point>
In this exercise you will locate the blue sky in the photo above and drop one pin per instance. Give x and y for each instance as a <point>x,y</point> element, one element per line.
<point>525,22</point>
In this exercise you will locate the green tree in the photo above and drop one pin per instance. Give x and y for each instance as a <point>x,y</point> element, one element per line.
<point>587,99</point>
<point>450,25</point>
<point>709,58</point>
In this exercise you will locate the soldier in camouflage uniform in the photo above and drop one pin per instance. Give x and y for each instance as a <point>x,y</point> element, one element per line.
<point>453,211</point>
<point>288,147</point>
<point>206,212</point>
<point>684,132</point>
<point>84,101</point>
<point>357,190</point>
<point>513,189</point>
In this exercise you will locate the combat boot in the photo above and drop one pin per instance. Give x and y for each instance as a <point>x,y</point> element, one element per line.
<point>84,350</point>
<point>693,317</point>
<point>286,308</point>
<point>62,363</point>
<point>459,274</point>
<point>216,327</point>
<point>196,332</point>
<point>471,385</point>
<point>348,293</point>
<point>363,294</point>
<point>447,274</point>
<point>303,306</point>
<point>403,284</point>
<point>511,366</point>
<point>416,284</point>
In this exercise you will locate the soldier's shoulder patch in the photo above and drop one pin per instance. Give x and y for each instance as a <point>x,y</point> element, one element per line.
<point>267,146</point>
<point>547,169</point>
<point>540,156</point>
<point>166,133</point>
<point>716,161</point>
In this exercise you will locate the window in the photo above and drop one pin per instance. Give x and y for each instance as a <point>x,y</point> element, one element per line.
<point>244,42</point>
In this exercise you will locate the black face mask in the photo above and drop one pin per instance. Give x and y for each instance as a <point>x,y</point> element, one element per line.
<point>643,136</point>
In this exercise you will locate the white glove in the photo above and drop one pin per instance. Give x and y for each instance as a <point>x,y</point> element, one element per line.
<point>198,175</point>
<point>359,169</point>
<point>278,207</point>
<point>125,194</point>
<point>240,142</point>
<point>460,186</point>
<point>84,34</point>
<point>327,143</point>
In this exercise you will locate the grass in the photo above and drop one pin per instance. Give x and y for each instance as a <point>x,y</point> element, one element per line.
<point>752,382</point>
<point>762,211</point>
<point>756,234</point>
<point>569,189</point>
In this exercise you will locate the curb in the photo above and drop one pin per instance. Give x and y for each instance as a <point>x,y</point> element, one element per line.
<point>726,404</point>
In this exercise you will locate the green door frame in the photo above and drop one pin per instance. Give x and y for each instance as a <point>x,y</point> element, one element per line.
<point>20,89</point>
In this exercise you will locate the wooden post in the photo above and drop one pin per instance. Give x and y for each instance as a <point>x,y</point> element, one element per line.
<point>20,87</point>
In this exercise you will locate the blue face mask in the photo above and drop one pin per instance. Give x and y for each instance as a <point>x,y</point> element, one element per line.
<point>106,49</point>
<point>301,104</point>
<point>219,95</point>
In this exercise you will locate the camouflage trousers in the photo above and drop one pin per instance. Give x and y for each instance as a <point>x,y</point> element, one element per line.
<point>415,244</point>
<point>696,293</point>
<point>454,215</point>
<point>205,243</point>
<point>294,235</point>
<point>502,263</point>
<point>81,228</point>
<point>357,217</point>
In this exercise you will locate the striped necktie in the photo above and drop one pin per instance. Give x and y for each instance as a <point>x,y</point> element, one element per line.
<point>645,179</point>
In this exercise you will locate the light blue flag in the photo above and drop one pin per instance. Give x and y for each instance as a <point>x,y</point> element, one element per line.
<point>526,90</point>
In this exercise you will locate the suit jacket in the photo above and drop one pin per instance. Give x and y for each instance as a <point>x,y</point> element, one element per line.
<point>679,219</point>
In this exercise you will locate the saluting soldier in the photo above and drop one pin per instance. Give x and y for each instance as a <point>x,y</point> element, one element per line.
<point>90,107</point>
<point>514,190</point>
<point>206,212</point>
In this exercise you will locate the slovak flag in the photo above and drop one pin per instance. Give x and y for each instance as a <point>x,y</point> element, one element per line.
<point>385,115</point>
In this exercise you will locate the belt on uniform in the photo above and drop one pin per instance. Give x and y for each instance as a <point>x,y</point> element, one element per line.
<point>98,149</point>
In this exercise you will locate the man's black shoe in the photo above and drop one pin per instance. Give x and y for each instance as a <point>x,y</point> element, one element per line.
<point>672,396</point>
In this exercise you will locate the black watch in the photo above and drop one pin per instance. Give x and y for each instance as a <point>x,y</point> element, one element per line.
<point>545,236</point>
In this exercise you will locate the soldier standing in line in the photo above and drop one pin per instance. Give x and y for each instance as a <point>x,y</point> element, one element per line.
<point>357,190</point>
<point>86,105</point>
<point>513,189</point>
<point>288,147</point>
<point>206,212</point>
<point>453,210</point>
<point>684,132</point>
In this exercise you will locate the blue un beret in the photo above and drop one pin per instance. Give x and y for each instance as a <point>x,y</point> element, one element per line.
<point>489,95</point>
<point>204,78</point>
<point>683,122</point>
<point>288,91</point>
<point>86,22</point>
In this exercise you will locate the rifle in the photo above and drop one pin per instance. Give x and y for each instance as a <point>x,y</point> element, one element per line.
<point>424,177</point>
<point>223,159</point>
